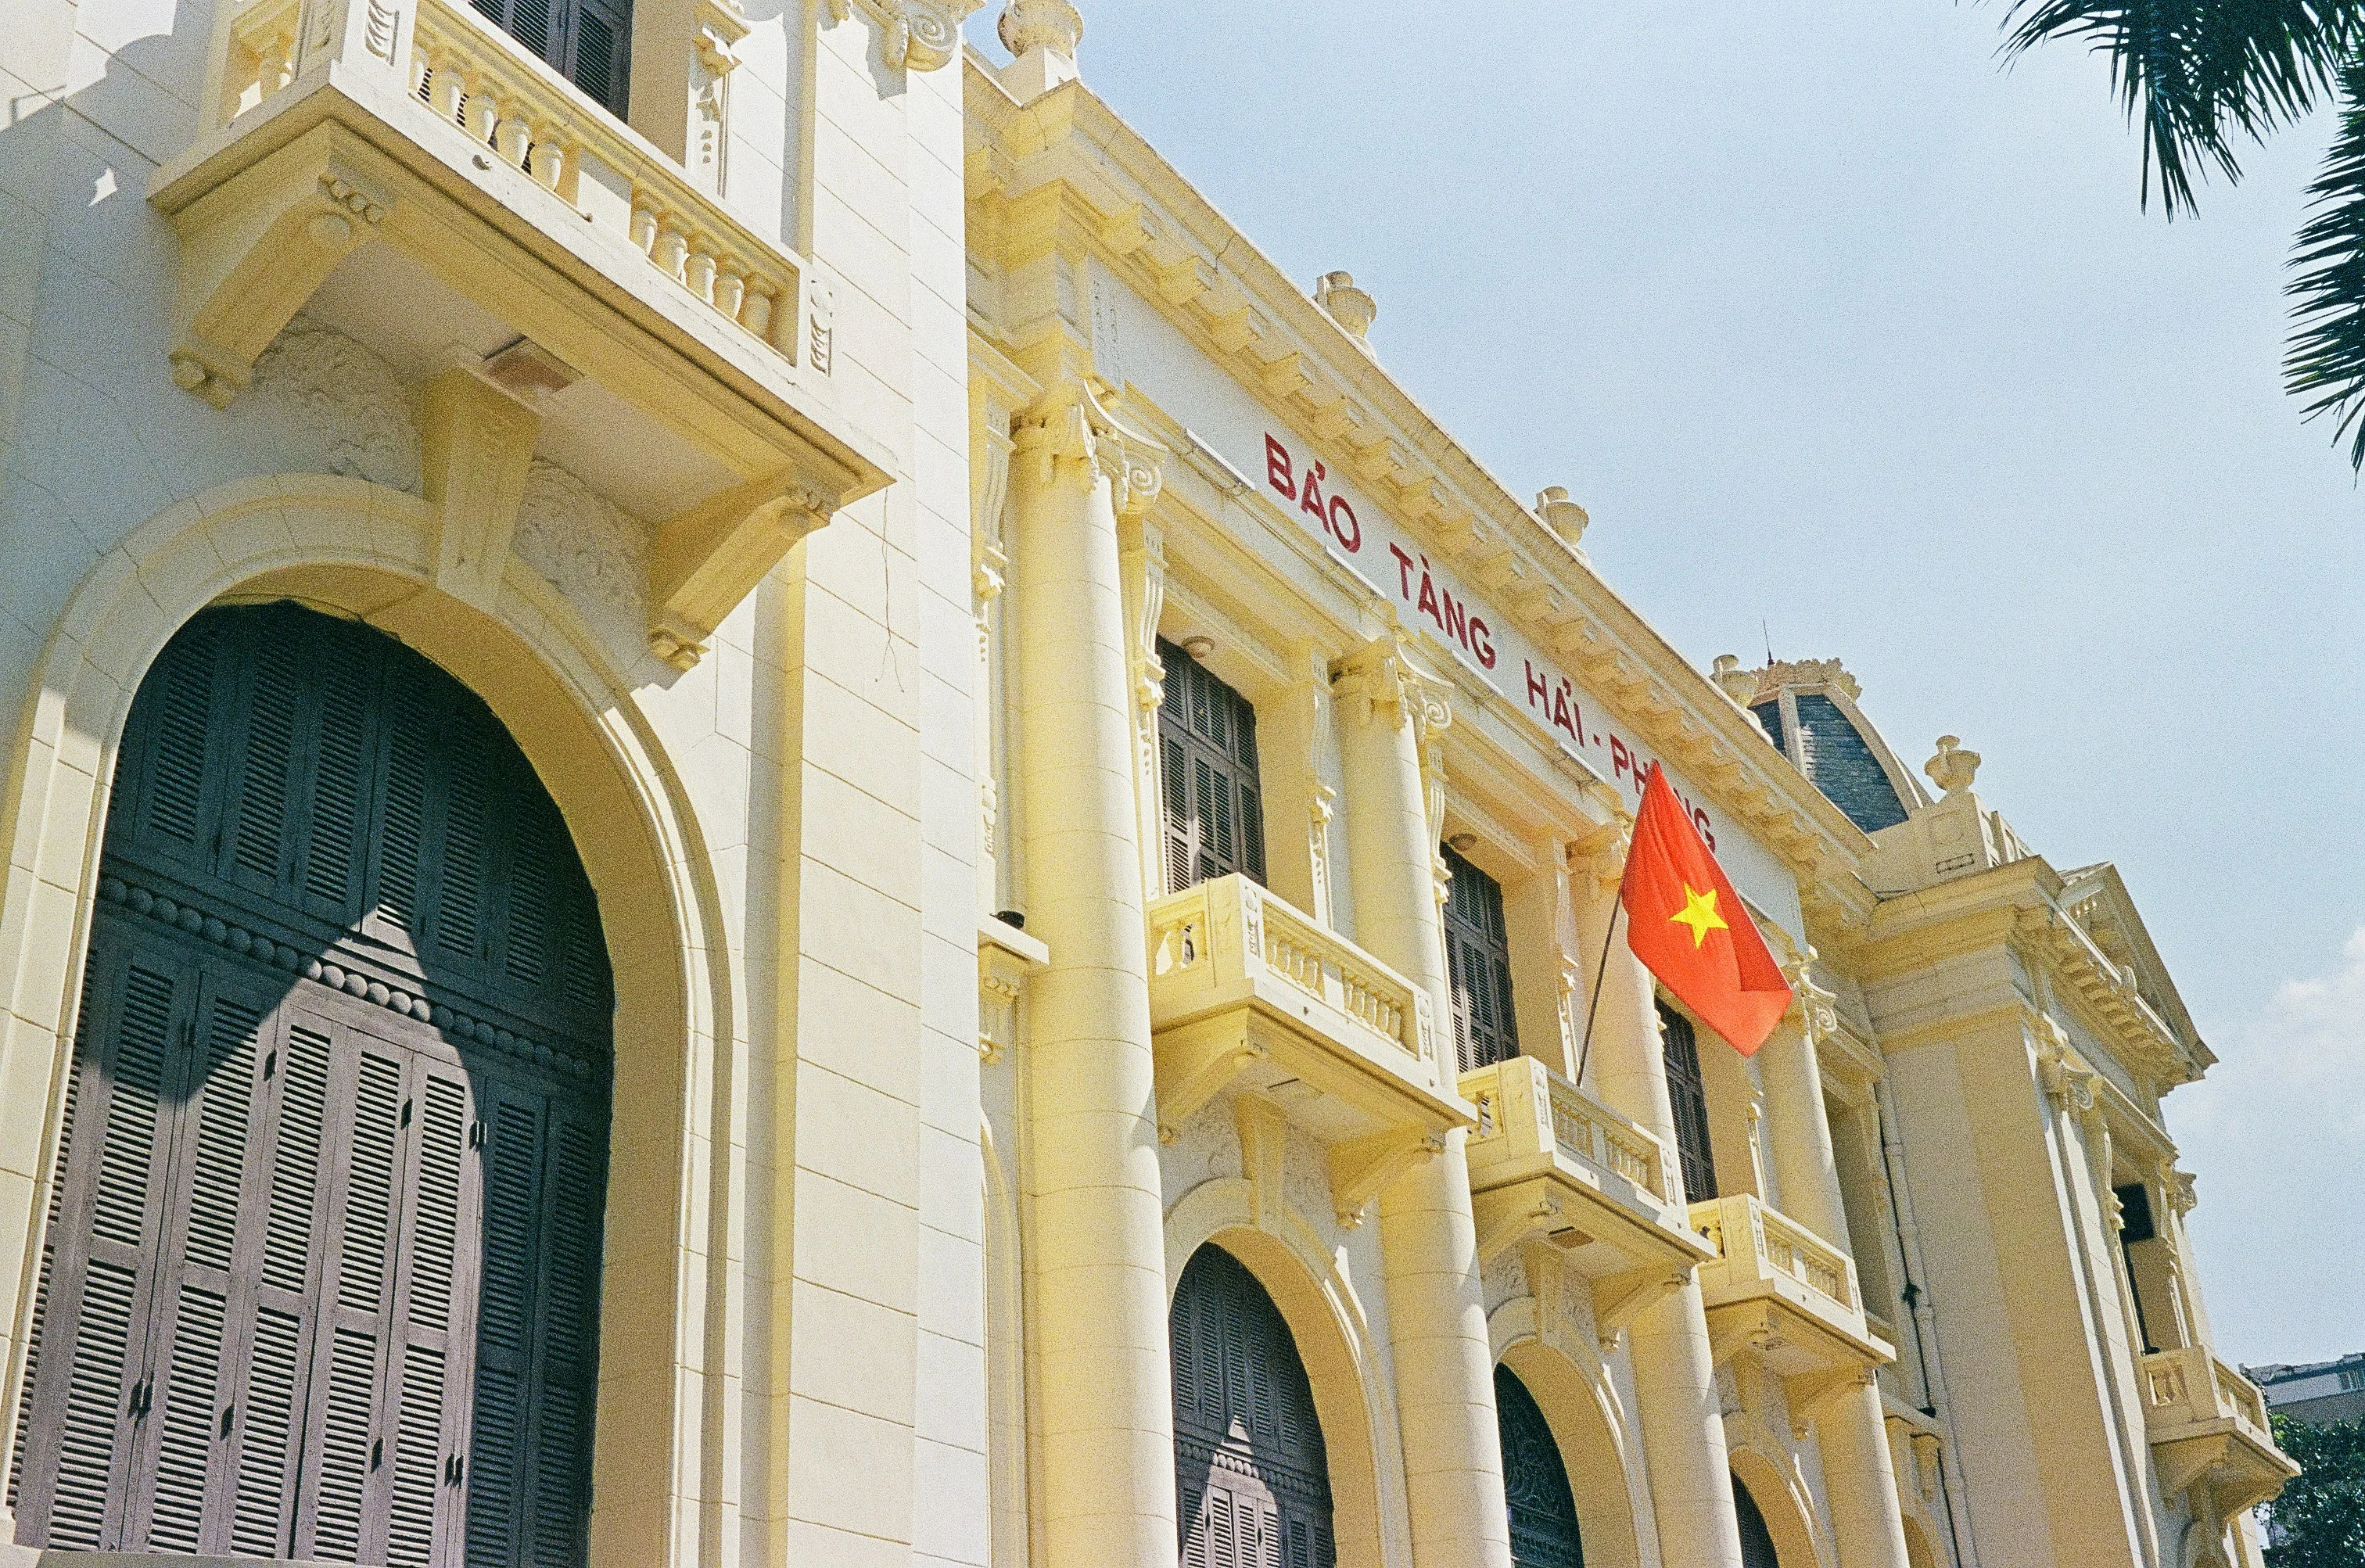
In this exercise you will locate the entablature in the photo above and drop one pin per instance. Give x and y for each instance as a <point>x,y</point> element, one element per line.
<point>1061,181</point>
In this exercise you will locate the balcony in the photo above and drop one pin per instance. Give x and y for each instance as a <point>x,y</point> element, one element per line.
<point>1247,994</point>
<point>2208,1426</point>
<point>1550,1163</point>
<point>1784,1294</point>
<point>413,177</point>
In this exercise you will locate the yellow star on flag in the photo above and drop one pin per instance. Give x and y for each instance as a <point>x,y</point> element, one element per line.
<point>1699,913</point>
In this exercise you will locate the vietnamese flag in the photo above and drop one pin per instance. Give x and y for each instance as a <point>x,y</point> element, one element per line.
<point>1688,925</point>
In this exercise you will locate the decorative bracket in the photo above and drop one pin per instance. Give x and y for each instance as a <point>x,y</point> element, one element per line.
<point>253,251</point>
<point>1206,1070</point>
<point>1361,1168</point>
<point>1618,1299</point>
<point>706,559</point>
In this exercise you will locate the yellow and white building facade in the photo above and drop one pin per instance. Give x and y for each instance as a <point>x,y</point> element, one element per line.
<point>759,813</point>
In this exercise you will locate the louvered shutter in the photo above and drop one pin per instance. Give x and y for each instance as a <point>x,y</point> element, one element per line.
<point>588,41</point>
<point>1688,1095</point>
<point>1251,1476</point>
<point>256,1328</point>
<point>184,1466</point>
<point>90,1392</point>
<point>1214,808</point>
<point>1479,960</point>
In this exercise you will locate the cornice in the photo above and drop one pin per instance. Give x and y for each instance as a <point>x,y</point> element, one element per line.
<point>1064,173</point>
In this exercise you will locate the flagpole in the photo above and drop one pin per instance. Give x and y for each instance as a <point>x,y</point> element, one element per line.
<point>1601,970</point>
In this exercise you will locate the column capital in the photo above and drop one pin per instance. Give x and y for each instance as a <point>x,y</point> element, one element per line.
<point>1381,678</point>
<point>1072,431</point>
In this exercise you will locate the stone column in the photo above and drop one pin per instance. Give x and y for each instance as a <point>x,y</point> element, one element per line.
<point>1437,1313</point>
<point>1674,1370</point>
<point>1858,1473</point>
<point>1095,1244</point>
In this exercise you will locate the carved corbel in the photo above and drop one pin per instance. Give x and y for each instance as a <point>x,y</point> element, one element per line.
<point>1361,1168</point>
<point>706,559</point>
<point>1808,1393</point>
<point>1619,1298</point>
<point>1527,1213</point>
<point>476,443</point>
<point>256,248</point>
<point>1198,1071</point>
<point>1141,557</point>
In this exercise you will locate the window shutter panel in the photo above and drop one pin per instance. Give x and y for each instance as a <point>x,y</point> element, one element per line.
<point>1214,815</point>
<point>258,847</point>
<point>113,1185</point>
<point>1252,1508</point>
<point>184,1459</point>
<point>345,758</point>
<point>432,1302</point>
<point>402,832</point>
<point>1478,954</point>
<point>459,882</point>
<point>504,1330</point>
<point>1687,1094</point>
<point>172,740</point>
<point>1181,824</point>
<point>603,32</point>
<point>344,1445</point>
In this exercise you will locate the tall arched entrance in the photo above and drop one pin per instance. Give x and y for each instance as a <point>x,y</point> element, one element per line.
<point>1251,1478</point>
<point>1535,1480</point>
<point>320,1274</point>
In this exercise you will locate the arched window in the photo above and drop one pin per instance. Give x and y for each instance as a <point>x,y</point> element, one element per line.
<point>1535,1480</point>
<point>1250,1476</point>
<point>320,1272</point>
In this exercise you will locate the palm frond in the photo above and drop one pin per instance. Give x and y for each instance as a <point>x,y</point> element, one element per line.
<point>2201,75</point>
<point>2325,362</point>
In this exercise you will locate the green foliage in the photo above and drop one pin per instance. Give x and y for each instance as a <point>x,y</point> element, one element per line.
<point>2203,78</point>
<point>2324,1510</point>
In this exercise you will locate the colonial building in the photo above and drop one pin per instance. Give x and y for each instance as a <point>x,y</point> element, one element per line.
<point>762,815</point>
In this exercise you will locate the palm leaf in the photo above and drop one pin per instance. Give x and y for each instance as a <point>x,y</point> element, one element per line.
<point>2201,75</point>
<point>2325,362</point>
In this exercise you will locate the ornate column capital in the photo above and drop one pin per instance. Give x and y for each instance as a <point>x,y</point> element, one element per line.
<point>913,35</point>
<point>1068,424</point>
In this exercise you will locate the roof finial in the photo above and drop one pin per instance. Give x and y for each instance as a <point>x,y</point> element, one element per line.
<point>1953,768</point>
<point>1041,36</point>
<point>1352,307</point>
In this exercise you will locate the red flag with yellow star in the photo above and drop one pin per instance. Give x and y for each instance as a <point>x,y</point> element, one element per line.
<point>1688,925</point>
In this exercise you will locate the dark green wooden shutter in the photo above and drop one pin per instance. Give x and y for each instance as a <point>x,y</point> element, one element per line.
<point>1535,1482</point>
<point>1207,754</point>
<point>1688,1095</point>
<point>1251,1475</point>
<point>1479,960</point>
<point>256,1327</point>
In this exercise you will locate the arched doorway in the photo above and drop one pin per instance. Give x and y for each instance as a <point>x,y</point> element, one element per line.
<point>320,1275</point>
<point>1251,1478</point>
<point>1535,1480</point>
<point>1756,1540</point>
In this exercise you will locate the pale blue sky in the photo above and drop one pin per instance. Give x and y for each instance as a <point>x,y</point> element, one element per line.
<point>1830,322</point>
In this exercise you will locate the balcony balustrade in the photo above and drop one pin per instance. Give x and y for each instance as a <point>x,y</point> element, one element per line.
<point>1248,994</point>
<point>1784,1294</point>
<point>2208,1427</point>
<point>449,199</point>
<point>1548,1163</point>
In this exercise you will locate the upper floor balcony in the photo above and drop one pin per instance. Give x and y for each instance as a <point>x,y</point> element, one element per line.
<point>410,173</point>
<point>1550,1163</point>
<point>1246,994</point>
<point>1779,1291</point>
<point>2208,1426</point>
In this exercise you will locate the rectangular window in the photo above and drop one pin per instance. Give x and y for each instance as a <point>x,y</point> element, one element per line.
<point>1478,956</point>
<point>1688,1092</point>
<point>1207,740</point>
<point>2352,1378</point>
